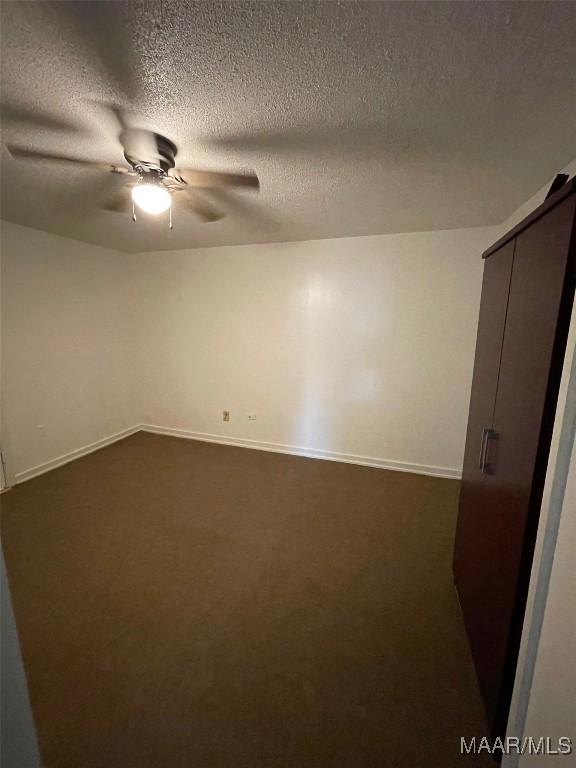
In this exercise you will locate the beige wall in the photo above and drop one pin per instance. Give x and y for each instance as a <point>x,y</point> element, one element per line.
<point>361,346</point>
<point>67,345</point>
<point>356,346</point>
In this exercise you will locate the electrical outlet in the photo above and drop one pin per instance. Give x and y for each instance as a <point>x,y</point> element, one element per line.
<point>251,417</point>
<point>225,415</point>
<point>41,429</point>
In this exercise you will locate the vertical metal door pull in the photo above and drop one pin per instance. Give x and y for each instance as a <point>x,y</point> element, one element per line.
<point>487,435</point>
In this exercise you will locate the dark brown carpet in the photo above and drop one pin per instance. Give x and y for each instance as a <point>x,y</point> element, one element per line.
<point>187,605</point>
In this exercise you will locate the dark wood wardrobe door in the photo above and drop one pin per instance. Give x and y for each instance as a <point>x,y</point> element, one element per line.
<point>499,508</point>
<point>472,534</point>
<point>537,322</point>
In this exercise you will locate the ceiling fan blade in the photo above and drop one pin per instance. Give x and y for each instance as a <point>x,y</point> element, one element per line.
<point>20,153</point>
<point>215,179</point>
<point>116,112</point>
<point>137,143</point>
<point>201,207</point>
<point>340,136</point>
<point>246,208</point>
<point>119,202</point>
<point>23,116</point>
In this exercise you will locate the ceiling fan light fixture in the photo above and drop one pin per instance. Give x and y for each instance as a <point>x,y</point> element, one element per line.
<point>151,197</point>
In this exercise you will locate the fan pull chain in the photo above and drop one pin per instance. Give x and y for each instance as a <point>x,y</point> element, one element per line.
<point>133,211</point>
<point>170,218</point>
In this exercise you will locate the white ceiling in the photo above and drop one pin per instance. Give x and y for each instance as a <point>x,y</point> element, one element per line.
<point>359,118</point>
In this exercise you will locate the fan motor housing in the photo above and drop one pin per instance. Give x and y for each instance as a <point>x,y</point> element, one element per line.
<point>162,160</point>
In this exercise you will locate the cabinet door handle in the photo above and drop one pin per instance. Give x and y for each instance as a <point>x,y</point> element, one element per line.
<point>483,442</point>
<point>487,435</point>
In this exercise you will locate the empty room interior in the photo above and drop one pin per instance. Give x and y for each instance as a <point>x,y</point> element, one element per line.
<point>288,384</point>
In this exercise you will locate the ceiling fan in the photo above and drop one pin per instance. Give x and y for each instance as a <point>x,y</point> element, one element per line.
<point>152,178</point>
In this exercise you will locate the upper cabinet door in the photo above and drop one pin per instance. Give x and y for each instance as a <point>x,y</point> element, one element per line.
<point>541,295</point>
<point>491,324</point>
<point>474,532</point>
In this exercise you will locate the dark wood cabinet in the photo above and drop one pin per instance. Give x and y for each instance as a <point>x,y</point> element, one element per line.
<point>527,296</point>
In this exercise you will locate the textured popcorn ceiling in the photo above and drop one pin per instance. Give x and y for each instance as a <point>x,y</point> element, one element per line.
<point>359,118</point>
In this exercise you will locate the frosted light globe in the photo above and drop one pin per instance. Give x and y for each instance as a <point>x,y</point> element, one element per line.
<point>151,198</point>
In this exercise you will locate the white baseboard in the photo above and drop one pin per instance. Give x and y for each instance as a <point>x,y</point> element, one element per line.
<point>294,450</point>
<point>40,469</point>
<point>311,453</point>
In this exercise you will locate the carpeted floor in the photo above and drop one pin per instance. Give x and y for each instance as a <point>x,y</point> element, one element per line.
<point>188,605</point>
